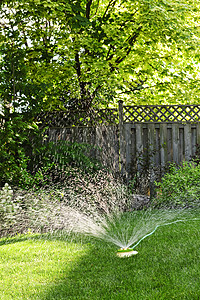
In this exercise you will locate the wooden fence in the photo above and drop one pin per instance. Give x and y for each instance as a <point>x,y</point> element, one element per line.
<point>135,139</point>
<point>105,140</point>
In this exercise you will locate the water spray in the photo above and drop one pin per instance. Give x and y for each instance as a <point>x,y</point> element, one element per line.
<point>127,251</point>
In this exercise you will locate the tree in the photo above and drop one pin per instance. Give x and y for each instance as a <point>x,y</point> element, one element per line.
<point>82,53</point>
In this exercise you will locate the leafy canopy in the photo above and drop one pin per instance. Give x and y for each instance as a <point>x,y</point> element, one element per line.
<point>81,53</point>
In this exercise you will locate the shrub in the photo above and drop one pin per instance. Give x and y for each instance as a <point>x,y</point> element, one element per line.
<point>180,187</point>
<point>12,155</point>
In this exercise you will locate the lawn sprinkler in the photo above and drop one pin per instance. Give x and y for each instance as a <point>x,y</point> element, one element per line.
<point>126,252</point>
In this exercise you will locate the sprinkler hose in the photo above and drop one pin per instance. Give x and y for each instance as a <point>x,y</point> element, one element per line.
<point>160,226</point>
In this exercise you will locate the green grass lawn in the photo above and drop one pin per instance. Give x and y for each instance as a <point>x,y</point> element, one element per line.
<point>167,266</point>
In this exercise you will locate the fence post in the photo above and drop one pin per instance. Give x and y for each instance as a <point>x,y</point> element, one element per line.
<point>121,139</point>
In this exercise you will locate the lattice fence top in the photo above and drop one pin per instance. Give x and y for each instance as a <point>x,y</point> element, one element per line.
<point>131,114</point>
<point>79,118</point>
<point>161,113</point>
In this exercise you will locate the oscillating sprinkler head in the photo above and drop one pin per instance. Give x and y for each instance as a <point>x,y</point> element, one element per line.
<point>126,252</point>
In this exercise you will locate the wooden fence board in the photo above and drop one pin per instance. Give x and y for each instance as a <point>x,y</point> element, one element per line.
<point>198,134</point>
<point>133,150</point>
<point>188,141</point>
<point>163,145</point>
<point>194,141</point>
<point>157,147</point>
<point>175,141</point>
<point>181,146</point>
<point>169,145</point>
<point>128,143</point>
<point>151,140</point>
<point>139,146</point>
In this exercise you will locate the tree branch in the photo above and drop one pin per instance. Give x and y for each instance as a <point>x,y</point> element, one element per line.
<point>131,40</point>
<point>96,9</point>
<point>85,97</point>
<point>88,8</point>
<point>110,4</point>
<point>25,39</point>
<point>139,87</point>
<point>77,65</point>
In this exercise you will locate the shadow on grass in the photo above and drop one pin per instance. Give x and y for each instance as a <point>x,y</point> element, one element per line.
<point>97,274</point>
